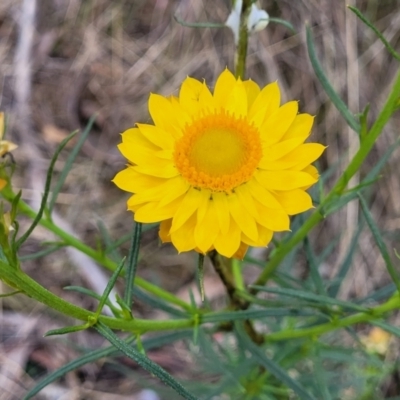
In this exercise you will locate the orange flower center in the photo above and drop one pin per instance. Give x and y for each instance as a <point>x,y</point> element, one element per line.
<point>218,152</point>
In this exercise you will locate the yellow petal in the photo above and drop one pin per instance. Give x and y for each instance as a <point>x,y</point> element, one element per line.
<point>275,126</point>
<point>310,169</point>
<point>241,251</point>
<point>280,149</point>
<point>189,95</point>
<point>161,169</point>
<point>308,153</point>
<point>133,137</point>
<point>246,200</point>
<point>190,203</point>
<point>152,212</point>
<point>237,100</point>
<point>201,211</point>
<point>223,88</point>
<point>163,232</point>
<point>221,206</point>
<point>252,91</point>
<point>264,237</point>
<point>297,159</point>
<point>159,192</point>
<point>263,195</point>
<point>132,181</point>
<point>228,244</point>
<point>139,155</point>
<point>207,230</point>
<point>179,188</point>
<point>183,238</point>
<point>294,201</point>
<point>284,180</point>
<point>157,136</point>
<point>265,104</point>
<point>206,99</point>
<point>242,218</point>
<point>301,127</point>
<point>162,113</point>
<point>273,219</point>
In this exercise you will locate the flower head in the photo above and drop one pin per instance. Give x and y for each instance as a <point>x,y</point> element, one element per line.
<point>5,145</point>
<point>220,170</point>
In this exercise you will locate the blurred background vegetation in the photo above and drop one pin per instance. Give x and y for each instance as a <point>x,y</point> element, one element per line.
<point>104,57</point>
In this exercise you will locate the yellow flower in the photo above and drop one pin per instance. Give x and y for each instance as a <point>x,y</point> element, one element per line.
<point>220,171</point>
<point>5,145</point>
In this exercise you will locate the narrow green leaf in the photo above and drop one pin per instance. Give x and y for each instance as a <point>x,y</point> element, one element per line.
<point>380,294</point>
<point>42,253</point>
<point>389,48</point>
<point>252,314</point>
<point>68,164</point>
<point>132,264</point>
<point>109,287</point>
<point>270,365</point>
<point>323,300</point>
<point>124,238</point>
<point>157,303</point>
<point>283,22</point>
<point>95,355</point>
<point>330,91</point>
<point>94,295</point>
<point>39,214</point>
<point>67,329</point>
<point>143,361</point>
<point>334,288</point>
<point>379,241</point>
<point>114,254</point>
<point>313,265</point>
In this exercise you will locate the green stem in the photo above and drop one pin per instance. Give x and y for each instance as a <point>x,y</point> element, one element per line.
<point>31,288</point>
<point>97,256</point>
<point>355,164</point>
<point>241,46</point>
<point>377,312</point>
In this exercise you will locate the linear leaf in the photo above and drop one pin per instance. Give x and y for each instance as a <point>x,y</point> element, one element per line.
<point>330,91</point>
<point>158,303</point>
<point>333,290</point>
<point>312,297</point>
<point>132,264</point>
<point>143,361</point>
<point>390,49</point>
<point>109,287</point>
<point>95,355</point>
<point>270,365</point>
<point>284,23</point>
<point>252,314</point>
<point>69,162</point>
<point>379,241</point>
<point>49,175</point>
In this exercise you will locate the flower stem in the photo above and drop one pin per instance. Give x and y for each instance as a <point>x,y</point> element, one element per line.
<point>224,268</point>
<point>241,46</point>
